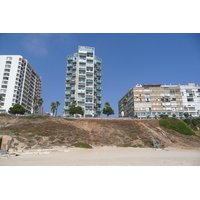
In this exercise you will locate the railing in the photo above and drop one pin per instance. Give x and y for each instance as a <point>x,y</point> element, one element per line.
<point>81,91</point>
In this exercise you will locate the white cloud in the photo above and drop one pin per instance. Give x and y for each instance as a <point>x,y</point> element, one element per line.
<point>36,43</point>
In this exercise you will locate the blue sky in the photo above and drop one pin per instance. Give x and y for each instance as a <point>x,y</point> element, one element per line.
<point>128,59</point>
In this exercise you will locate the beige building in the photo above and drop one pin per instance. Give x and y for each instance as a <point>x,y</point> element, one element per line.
<point>152,100</point>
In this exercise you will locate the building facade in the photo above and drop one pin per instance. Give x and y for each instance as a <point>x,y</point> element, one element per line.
<point>148,101</point>
<point>83,82</point>
<point>19,83</point>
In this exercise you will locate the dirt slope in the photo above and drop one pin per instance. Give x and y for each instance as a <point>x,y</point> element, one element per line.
<point>44,132</point>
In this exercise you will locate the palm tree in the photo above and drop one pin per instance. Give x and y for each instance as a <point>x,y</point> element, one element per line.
<point>37,103</point>
<point>53,107</point>
<point>57,104</point>
<point>35,107</point>
<point>40,102</point>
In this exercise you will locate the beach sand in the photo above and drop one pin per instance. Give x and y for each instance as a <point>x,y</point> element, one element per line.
<point>107,156</point>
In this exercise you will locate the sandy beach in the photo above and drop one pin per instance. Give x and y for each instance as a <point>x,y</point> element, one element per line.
<point>106,156</point>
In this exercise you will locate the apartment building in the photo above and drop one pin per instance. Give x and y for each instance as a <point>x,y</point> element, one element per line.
<point>83,81</point>
<point>19,83</point>
<point>154,99</point>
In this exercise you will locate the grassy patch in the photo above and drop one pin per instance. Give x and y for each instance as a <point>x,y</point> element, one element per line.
<point>176,125</point>
<point>134,131</point>
<point>81,145</point>
<point>35,117</point>
<point>69,119</point>
<point>42,134</point>
<point>193,123</point>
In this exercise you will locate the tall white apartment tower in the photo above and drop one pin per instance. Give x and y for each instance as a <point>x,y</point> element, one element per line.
<point>83,81</point>
<point>19,83</point>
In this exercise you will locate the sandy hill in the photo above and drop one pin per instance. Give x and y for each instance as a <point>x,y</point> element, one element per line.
<point>44,132</point>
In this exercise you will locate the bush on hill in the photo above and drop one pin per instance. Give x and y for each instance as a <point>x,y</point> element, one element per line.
<point>177,125</point>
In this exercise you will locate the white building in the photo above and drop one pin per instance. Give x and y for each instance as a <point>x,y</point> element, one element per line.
<point>152,100</point>
<point>83,81</point>
<point>19,83</point>
<point>191,99</point>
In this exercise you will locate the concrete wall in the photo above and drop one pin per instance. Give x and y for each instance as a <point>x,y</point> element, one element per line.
<point>6,141</point>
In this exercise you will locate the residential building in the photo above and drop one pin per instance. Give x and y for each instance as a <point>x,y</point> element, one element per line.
<point>153,100</point>
<point>19,83</point>
<point>83,82</point>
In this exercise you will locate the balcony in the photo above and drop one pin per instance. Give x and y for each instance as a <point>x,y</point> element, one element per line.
<point>81,84</point>
<point>89,96</point>
<point>81,100</point>
<point>81,68</point>
<point>87,88</point>
<point>98,88</point>
<point>89,80</point>
<point>67,100</point>
<point>89,73</point>
<point>98,81</point>
<point>98,102</point>
<point>68,93</point>
<point>90,65</point>
<point>69,65</point>
<point>69,72</point>
<point>68,86</point>
<point>81,91</point>
<point>82,76</point>
<point>88,104</point>
<point>82,61</point>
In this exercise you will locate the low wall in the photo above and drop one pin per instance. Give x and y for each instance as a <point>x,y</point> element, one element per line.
<point>5,142</point>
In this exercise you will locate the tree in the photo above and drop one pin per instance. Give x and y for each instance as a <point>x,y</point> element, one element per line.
<point>37,103</point>
<point>57,104</point>
<point>76,110</point>
<point>186,115</point>
<point>107,104</point>
<point>1,98</point>
<point>17,109</point>
<point>73,103</point>
<point>53,107</point>
<point>173,115</point>
<point>108,110</point>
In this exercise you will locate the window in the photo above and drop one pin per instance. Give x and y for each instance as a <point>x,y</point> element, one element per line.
<point>8,62</point>
<point>9,58</point>
<point>6,74</point>
<point>7,70</point>
<point>7,66</point>
<point>3,90</point>
<point>4,82</point>
<point>5,78</point>
<point>190,99</point>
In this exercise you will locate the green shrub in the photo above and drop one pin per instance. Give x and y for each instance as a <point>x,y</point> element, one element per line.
<point>177,125</point>
<point>163,116</point>
<point>81,145</point>
<point>196,121</point>
<point>187,121</point>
